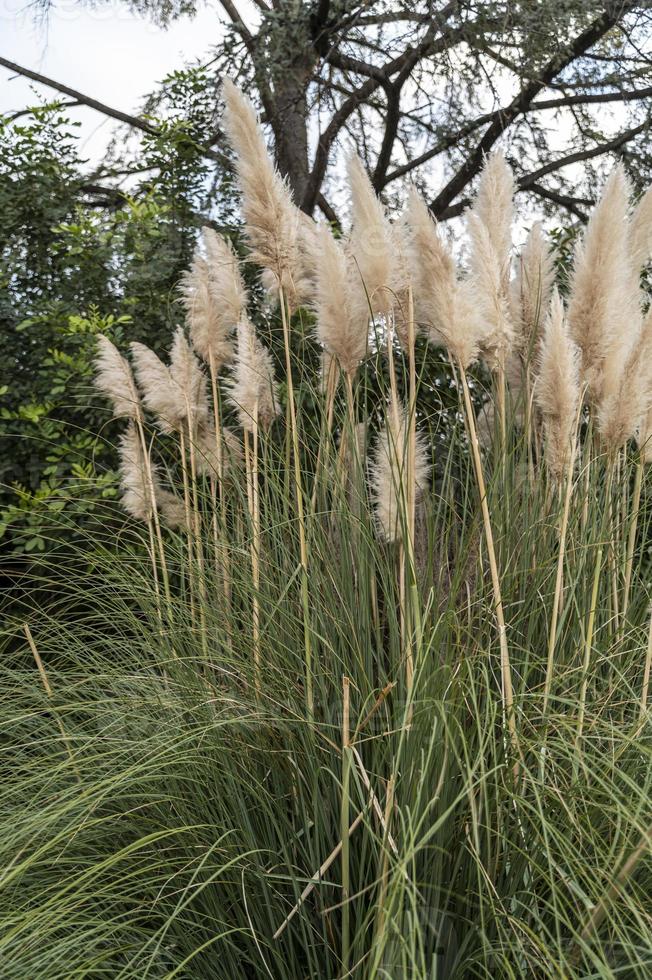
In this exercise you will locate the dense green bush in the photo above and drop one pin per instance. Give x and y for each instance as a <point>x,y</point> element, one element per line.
<point>69,268</point>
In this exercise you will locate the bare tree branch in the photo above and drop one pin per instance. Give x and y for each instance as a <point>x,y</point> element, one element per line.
<point>528,180</point>
<point>80,99</point>
<point>581,44</point>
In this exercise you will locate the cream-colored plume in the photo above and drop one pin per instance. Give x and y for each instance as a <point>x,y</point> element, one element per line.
<point>494,206</point>
<point>491,295</point>
<point>209,333</point>
<point>114,379</point>
<point>342,314</point>
<point>641,231</point>
<point>621,412</point>
<point>173,510</point>
<point>557,389</point>
<point>490,230</point>
<point>272,222</point>
<point>253,388</point>
<point>370,241</point>
<point>175,395</point>
<point>160,394</point>
<point>443,304</point>
<point>388,471</point>
<point>402,281</point>
<point>604,307</point>
<point>136,494</point>
<point>532,290</point>
<point>206,446</point>
<point>227,285</point>
<point>186,372</point>
<point>214,298</point>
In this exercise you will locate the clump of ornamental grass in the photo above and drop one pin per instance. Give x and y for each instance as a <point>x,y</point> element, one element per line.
<point>316,754</point>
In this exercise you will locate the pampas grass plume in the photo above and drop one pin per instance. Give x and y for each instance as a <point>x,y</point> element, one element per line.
<point>342,316</point>
<point>227,285</point>
<point>625,413</point>
<point>272,222</point>
<point>388,471</point>
<point>115,380</point>
<point>494,206</point>
<point>136,497</point>
<point>186,373</point>
<point>490,229</point>
<point>369,241</point>
<point>535,276</point>
<point>214,299</point>
<point>161,395</point>
<point>491,296</point>
<point>253,388</point>
<point>443,304</point>
<point>172,510</point>
<point>557,389</point>
<point>604,291</point>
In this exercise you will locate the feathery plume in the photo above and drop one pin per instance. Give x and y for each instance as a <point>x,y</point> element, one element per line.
<point>136,496</point>
<point>206,446</point>
<point>161,394</point>
<point>253,387</point>
<point>535,276</point>
<point>209,334</point>
<point>557,390</point>
<point>172,510</point>
<point>641,231</point>
<point>272,222</point>
<point>214,299</point>
<point>604,292</point>
<point>443,304</point>
<point>490,229</point>
<point>388,470</point>
<point>494,207</point>
<point>227,285</point>
<point>488,284</point>
<point>402,279</point>
<point>369,242</point>
<point>114,379</point>
<point>186,373</point>
<point>342,316</point>
<point>621,412</point>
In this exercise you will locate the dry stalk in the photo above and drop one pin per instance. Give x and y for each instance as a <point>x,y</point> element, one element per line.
<point>646,672</point>
<point>559,579</point>
<point>48,690</point>
<point>631,540</point>
<point>505,668</point>
<point>298,490</point>
<point>590,626</point>
<point>344,824</point>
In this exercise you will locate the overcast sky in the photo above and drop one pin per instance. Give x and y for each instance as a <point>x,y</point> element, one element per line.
<point>106,52</point>
<point>118,58</point>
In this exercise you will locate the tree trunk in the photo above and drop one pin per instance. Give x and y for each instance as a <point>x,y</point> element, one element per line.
<point>290,125</point>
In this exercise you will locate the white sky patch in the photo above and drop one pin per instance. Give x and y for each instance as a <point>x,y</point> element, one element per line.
<point>107,53</point>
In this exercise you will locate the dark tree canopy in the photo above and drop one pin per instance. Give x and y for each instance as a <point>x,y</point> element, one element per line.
<point>425,88</point>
